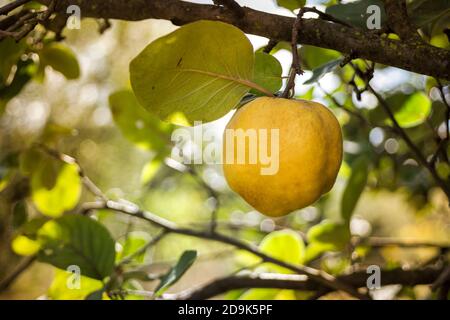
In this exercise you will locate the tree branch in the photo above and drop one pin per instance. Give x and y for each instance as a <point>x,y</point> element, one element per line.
<point>420,58</point>
<point>11,6</point>
<point>300,282</point>
<point>9,279</point>
<point>319,276</point>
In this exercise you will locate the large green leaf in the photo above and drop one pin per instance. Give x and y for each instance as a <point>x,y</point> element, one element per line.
<point>63,194</point>
<point>285,245</point>
<point>414,110</point>
<point>202,69</point>
<point>78,240</point>
<point>267,72</point>
<point>137,124</point>
<point>291,4</point>
<point>184,263</point>
<point>355,186</point>
<point>61,58</point>
<point>319,72</point>
<point>326,236</point>
<point>355,13</point>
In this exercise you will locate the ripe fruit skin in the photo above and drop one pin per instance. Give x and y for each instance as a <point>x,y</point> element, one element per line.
<point>310,155</point>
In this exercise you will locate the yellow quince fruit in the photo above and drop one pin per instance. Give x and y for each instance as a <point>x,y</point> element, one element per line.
<point>281,155</point>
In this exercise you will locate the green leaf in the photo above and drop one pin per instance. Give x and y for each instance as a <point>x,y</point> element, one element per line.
<point>184,263</point>
<point>96,295</point>
<point>314,57</point>
<point>61,58</point>
<point>25,242</point>
<point>326,236</point>
<point>29,161</point>
<point>395,102</point>
<point>322,70</point>
<point>355,186</point>
<point>355,13</point>
<point>267,72</point>
<point>426,12</point>
<point>24,246</point>
<point>31,227</point>
<point>60,289</point>
<point>133,242</point>
<point>285,245</point>
<point>291,4</point>
<point>443,170</point>
<point>137,124</point>
<point>47,172</point>
<point>63,196</point>
<point>10,52</point>
<point>329,232</point>
<point>308,95</point>
<point>202,69</point>
<point>20,214</point>
<point>414,110</point>
<point>78,240</point>
<point>25,72</point>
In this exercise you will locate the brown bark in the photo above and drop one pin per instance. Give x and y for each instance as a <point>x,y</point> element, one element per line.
<point>416,57</point>
<point>302,283</point>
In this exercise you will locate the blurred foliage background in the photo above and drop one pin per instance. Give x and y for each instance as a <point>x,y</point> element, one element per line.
<point>57,94</point>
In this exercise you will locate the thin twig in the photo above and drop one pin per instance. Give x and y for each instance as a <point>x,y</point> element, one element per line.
<point>27,22</point>
<point>442,279</point>
<point>295,69</point>
<point>143,249</point>
<point>9,279</point>
<point>88,183</point>
<point>212,194</point>
<point>343,107</point>
<point>11,6</point>
<point>270,45</point>
<point>326,16</point>
<point>12,19</point>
